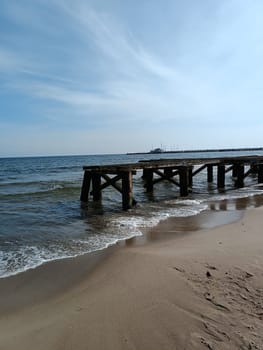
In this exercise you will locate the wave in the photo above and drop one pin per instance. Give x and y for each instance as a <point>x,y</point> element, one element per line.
<point>29,257</point>
<point>99,233</point>
<point>103,232</point>
<point>38,189</point>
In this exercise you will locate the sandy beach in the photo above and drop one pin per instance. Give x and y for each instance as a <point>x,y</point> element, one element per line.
<point>197,290</point>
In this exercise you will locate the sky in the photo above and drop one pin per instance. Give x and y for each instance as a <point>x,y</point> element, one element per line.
<point>117,76</point>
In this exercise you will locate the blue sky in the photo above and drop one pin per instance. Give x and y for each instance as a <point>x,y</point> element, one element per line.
<point>115,76</point>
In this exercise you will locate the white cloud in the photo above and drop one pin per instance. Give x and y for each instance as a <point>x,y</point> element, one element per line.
<point>88,64</point>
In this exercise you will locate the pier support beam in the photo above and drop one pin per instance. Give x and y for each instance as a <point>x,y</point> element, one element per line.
<point>148,178</point>
<point>84,196</point>
<point>253,169</point>
<point>240,173</point>
<point>260,173</point>
<point>209,173</point>
<point>127,199</point>
<point>96,186</point>
<point>184,180</point>
<point>190,177</point>
<point>234,171</point>
<point>220,176</point>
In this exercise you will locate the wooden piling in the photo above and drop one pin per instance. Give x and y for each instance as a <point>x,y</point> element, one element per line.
<point>84,196</point>
<point>240,171</point>
<point>253,169</point>
<point>209,173</point>
<point>148,178</point>
<point>184,180</point>
<point>234,171</point>
<point>260,173</point>
<point>190,177</point>
<point>127,199</point>
<point>96,186</point>
<point>220,176</point>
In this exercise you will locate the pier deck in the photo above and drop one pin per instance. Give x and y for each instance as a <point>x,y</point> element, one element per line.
<point>180,172</point>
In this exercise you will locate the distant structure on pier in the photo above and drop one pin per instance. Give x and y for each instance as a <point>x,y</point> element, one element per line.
<point>157,151</point>
<point>160,150</point>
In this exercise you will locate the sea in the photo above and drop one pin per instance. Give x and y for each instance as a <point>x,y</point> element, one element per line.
<point>42,219</point>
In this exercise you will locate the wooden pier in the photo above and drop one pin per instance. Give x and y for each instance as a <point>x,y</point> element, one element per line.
<point>180,172</point>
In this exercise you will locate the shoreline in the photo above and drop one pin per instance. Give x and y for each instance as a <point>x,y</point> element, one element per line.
<point>219,212</point>
<point>155,283</point>
<point>208,218</point>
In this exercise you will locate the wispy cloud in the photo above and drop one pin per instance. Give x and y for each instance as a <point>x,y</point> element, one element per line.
<point>114,43</point>
<point>83,60</point>
<point>128,68</point>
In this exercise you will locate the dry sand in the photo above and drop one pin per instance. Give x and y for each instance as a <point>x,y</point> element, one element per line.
<point>199,290</point>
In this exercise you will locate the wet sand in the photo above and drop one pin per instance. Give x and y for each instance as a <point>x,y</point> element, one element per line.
<point>200,288</point>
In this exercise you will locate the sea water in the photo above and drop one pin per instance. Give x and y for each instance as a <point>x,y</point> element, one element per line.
<point>41,217</point>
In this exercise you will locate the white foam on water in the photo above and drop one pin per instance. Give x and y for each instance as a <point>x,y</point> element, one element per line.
<point>188,201</point>
<point>115,228</point>
<point>21,259</point>
<point>30,257</point>
<point>172,208</point>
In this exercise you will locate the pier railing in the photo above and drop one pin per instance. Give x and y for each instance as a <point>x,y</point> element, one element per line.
<point>180,172</point>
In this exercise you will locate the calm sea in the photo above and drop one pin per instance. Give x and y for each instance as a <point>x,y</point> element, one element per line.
<point>41,218</point>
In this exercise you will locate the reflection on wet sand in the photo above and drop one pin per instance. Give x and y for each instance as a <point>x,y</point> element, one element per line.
<point>218,213</point>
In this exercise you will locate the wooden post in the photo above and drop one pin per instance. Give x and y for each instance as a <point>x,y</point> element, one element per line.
<point>127,200</point>
<point>209,173</point>
<point>85,187</point>
<point>190,176</point>
<point>260,173</point>
<point>143,173</point>
<point>184,180</point>
<point>148,177</point>
<point>235,171</point>
<point>96,186</point>
<point>253,168</point>
<point>240,170</point>
<point>220,176</point>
